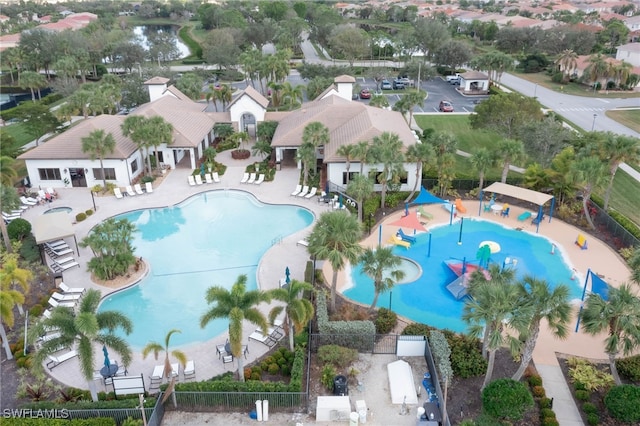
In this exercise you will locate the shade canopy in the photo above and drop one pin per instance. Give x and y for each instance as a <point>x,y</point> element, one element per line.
<point>425,197</point>
<point>410,221</point>
<point>52,226</point>
<point>535,197</point>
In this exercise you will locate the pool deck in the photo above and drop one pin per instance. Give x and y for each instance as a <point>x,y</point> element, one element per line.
<point>174,189</point>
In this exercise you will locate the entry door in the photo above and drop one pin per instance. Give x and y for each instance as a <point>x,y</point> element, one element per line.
<point>78,178</point>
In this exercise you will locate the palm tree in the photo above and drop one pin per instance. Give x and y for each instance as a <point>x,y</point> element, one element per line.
<point>588,173</point>
<point>156,348</point>
<point>360,188</point>
<point>276,93</point>
<point>379,264</point>
<point>292,95</point>
<point>387,150</point>
<point>83,330</point>
<point>493,307</point>
<point>598,69</point>
<point>634,264</point>
<point>12,276</point>
<point>33,81</point>
<point>403,107</point>
<point>335,238</point>
<point>161,132</point>
<point>618,149</point>
<point>261,147</point>
<point>99,145</point>
<point>362,152</point>
<point>237,305</point>
<point>379,101</point>
<point>147,132</point>
<point>622,72</point>
<point>314,135</point>
<point>413,99</point>
<point>545,304</point>
<point>8,200</point>
<point>347,151</point>
<point>8,173</point>
<point>568,61</point>
<point>9,297</point>
<point>619,315</point>
<point>225,94</point>
<point>445,146</point>
<point>419,153</point>
<point>298,310</point>
<point>510,151</point>
<point>482,160</point>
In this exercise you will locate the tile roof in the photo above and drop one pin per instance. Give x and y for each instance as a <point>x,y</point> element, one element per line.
<point>253,94</point>
<point>348,123</point>
<point>68,145</point>
<point>177,93</point>
<point>157,80</point>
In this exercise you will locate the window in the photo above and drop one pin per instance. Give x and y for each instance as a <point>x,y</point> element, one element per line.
<point>351,176</point>
<point>109,172</point>
<point>49,174</point>
<point>134,166</point>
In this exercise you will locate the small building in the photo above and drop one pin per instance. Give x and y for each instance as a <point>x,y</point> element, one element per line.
<point>474,83</point>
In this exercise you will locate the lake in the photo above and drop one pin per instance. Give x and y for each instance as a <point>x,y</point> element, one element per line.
<point>143,32</point>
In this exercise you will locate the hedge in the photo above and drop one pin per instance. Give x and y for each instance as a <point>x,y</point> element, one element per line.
<point>359,335</point>
<point>123,402</point>
<point>623,403</point>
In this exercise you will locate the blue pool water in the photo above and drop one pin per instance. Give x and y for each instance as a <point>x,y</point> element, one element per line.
<point>58,209</point>
<point>427,300</point>
<point>209,239</point>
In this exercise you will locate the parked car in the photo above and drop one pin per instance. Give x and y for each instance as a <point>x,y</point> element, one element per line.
<point>445,106</point>
<point>405,80</point>
<point>453,79</point>
<point>365,94</point>
<point>386,85</point>
<point>398,85</point>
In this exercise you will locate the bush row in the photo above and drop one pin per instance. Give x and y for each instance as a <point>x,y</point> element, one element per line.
<point>631,227</point>
<point>124,401</point>
<point>547,415</point>
<point>357,335</point>
<point>194,47</point>
<point>629,368</point>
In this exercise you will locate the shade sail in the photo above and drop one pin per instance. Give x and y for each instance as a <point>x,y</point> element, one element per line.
<point>410,221</point>
<point>52,226</point>
<point>425,197</point>
<point>534,197</point>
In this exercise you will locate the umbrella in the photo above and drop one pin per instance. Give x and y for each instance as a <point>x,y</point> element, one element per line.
<point>287,273</point>
<point>410,221</point>
<point>107,363</point>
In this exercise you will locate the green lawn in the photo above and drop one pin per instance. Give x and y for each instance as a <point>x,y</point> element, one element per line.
<point>19,133</point>
<point>629,117</point>
<point>468,139</point>
<point>625,196</point>
<point>577,89</point>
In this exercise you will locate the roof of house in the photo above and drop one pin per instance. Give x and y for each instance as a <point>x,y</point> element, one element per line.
<point>253,94</point>
<point>630,47</point>
<point>157,80</point>
<point>348,123</point>
<point>344,79</point>
<point>190,123</point>
<point>177,93</point>
<point>474,75</point>
<point>68,145</point>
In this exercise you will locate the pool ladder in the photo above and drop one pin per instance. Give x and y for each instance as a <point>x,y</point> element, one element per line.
<point>276,240</point>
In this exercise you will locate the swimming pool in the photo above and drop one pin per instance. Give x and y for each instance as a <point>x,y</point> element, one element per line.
<point>58,209</point>
<point>427,300</point>
<point>209,239</point>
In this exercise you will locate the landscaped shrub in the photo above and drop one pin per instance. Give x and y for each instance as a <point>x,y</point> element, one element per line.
<point>18,229</point>
<point>506,399</point>
<point>550,421</point>
<point>328,374</point>
<point>36,310</point>
<point>535,380</point>
<point>544,403</point>
<point>273,368</point>
<point>338,356</point>
<point>547,412</point>
<point>80,217</point>
<point>132,422</point>
<point>593,419</point>
<point>88,212</point>
<point>623,403</point>
<point>538,391</point>
<point>466,357</point>
<point>417,330</point>
<point>589,408</point>
<point>629,368</point>
<point>582,371</point>
<point>358,335</point>
<point>385,321</point>
<point>582,395</point>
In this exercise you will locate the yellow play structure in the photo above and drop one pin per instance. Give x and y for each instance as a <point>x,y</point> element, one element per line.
<point>581,242</point>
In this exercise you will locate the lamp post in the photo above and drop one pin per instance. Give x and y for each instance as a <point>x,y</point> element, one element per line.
<point>593,124</point>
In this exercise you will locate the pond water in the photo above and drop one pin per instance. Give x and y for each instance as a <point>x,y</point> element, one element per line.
<point>147,32</point>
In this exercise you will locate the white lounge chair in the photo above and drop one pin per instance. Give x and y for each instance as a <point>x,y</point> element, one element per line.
<point>311,193</point>
<point>65,304</point>
<point>117,193</point>
<point>63,260</point>
<point>303,243</point>
<point>158,372</point>
<point>9,217</point>
<point>207,178</point>
<point>189,370</point>
<point>138,189</point>
<point>63,267</point>
<point>54,361</point>
<point>28,201</point>
<point>148,187</point>
<point>129,190</point>
<point>52,192</point>
<point>297,191</point>
<point>266,339</point>
<point>66,297</point>
<point>260,179</point>
<point>245,178</point>
<point>174,369</point>
<point>252,178</point>
<point>60,252</point>
<point>70,290</point>
<point>215,177</point>
<point>192,181</point>
<point>198,180</point>
<point>305,191</point>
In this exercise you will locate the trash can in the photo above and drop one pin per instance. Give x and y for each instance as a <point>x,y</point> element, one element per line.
<point>340,386</point>
<point>353,419</point>
<point>361,408</point>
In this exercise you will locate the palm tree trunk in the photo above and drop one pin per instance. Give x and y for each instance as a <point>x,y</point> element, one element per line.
<point>481,180</point>
<point>360,201</point>
<point>587,216</point>
<point>5,342</point>
<point>415,185</point>
<point>376,293</point>
<point>614,369</point>
<point>485,340</point>
<point>487,376</point>
<point>607,193</point>
<point>104,178</point>
<point>527,352</point>
<point>290,331</point>
<point>240,368</point>
<point>5,237</point>
<point>334,284</point>
<point>505,171</point>
<point>92,390</point>
<point>33,94</point>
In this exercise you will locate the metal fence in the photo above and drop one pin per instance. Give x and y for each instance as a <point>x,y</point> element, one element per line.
<point>158,413</point>
<point>224,401</point>
<point>118,414</point>
<point>620,237</point>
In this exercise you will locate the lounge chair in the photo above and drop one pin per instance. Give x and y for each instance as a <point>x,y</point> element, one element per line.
<point>252,178</point>
<point>297,191</point>
<point>260,179</point>
<point>129,190</point>
<point>148,187</point>
<point>28,201</point>
<point>52,192</point>
<point>189,370</point>
<point>158,372</point>
<point>63,267</point>
<point>505,212</point>
<point>138,189</point>
<point>191,180</point>
<point>174,370</point>
<point>216,177</point>
<point>60,252</point>
<point>405,237</point>
<point>70,290</point>
<point>63,260</point>
<point>207,178</point>
<point>524,216</point>
<point>49,336</point>
<point>303,243</point>
<point>66,297</point>
<point>65,304</point>
<point>311,193</point>
<point>9,217</point>
<point>198,179</point>
<point>117,193</point>
<point>266,339</point>
<point>538,219</point>
<point>54,361</point>
<point>305,190</point>
<point>55,244</point>
<point>245,178</point>
<point>397,241</point>
<point>581,241</point>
